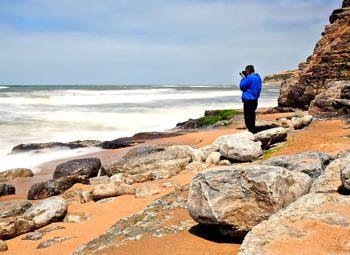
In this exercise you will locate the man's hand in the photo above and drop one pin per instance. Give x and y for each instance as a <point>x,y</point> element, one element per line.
<point>241,74</point>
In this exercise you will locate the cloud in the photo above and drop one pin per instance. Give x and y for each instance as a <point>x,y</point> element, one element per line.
<point>154,42</point>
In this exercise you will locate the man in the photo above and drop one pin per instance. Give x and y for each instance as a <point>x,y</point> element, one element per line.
<point>251,87</point>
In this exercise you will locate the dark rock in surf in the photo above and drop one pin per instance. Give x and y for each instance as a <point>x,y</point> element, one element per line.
<point>88,167</point>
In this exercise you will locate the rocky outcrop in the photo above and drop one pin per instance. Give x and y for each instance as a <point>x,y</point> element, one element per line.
<point>42,146</point>
<point>87,167</point>
<point>275,80</point>
<point>12,174</point>
<point>37,235</point>
<point>54,187</point>
<point>335,101</point>
<point>329,62</point>
<point>312,163</point>
<point>162,164</point>
<point>46,211</point>
<point>238,198</point>
<point>51,241</point>
<point>7,189</point>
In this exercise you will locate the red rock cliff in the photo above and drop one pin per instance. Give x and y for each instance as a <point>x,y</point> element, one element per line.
<point>329,62</point>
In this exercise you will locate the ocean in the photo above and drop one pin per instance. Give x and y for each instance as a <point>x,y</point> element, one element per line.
<point>37,114</point>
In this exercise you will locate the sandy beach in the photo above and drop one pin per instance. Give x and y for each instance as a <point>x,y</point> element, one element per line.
<point>328,136</point>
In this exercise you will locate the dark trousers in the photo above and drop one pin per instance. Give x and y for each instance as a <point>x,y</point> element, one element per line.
<point>249,108</point>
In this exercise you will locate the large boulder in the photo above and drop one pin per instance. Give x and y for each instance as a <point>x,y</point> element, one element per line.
<point>238,198</point>
<point>48,210</point>
<point>55,187</point>
<point>161,164</point>
<point>7,189</point>
<point>15,226</point>
<point>312,163</point>
<point>271,136</point>
<point>334,101</point>
<point>112,189</point>
<point>87,166</point>
<point>12,174</point>
<point>239,147</point>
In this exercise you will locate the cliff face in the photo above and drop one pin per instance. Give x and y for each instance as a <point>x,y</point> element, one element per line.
<point>276,80</point>
<point>329,62</point>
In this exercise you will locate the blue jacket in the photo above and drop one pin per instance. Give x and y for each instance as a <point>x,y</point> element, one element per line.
<point>251,87</point>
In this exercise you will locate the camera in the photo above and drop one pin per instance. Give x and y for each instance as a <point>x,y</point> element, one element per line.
<point>244,73</point>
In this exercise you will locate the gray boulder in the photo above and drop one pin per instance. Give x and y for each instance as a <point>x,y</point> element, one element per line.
<point>238,198</point>
<point>312,163</point>
<point>7,189</point>
<point>87,166</point>
<point>162,164</point>
<point>48,210</point>
<point>239,147</point>
<point>15,226</point>
<point>271,136</point>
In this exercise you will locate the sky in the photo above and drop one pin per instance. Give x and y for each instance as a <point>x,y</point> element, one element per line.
<point>124,42</point>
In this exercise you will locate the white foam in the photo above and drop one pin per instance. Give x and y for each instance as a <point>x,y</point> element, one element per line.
<point>3,87</point>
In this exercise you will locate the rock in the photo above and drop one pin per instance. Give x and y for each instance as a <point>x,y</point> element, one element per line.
<point>189,124</point>
<point>122,177</point>
<point>77,195</point>
<point>54,240</point>
<point>271,136</point>
<point>116,144</point>
<point>205,151</point>
<point>300,122</point>
<point>147,190</point>
<point>312,163</point>
<point>76,217</point>
<point>7,189</point>
<point>17,207</point>
<point>195,167</point>
<point>345,171</point>
<point>261,125</point>
<point>239,147</point>
<point>3,246</point>
<point>163,216</point>
<point>55,187</point>
<point>299,227</point>
<point>112,189</point>
<point>99,180</point>
<point>238,198</point>
<point>48,210</point>
<point>329,181</point>
<point>12,174</point>
<point>42,146</point>
<point>106,200</point>
<point>37,235</point>
<point>334,101</point>
<point>88,167</point>
<point>143,150</point>
<point>15,226</point>
<point>86,196</point>
<point>213,158</point>
<point>329,62</point>
<point>162,164</point>
<point>224,163</point>
<point>240,135</point>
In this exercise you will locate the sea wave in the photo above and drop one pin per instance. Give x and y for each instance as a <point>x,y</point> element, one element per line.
<point>3,87</point>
